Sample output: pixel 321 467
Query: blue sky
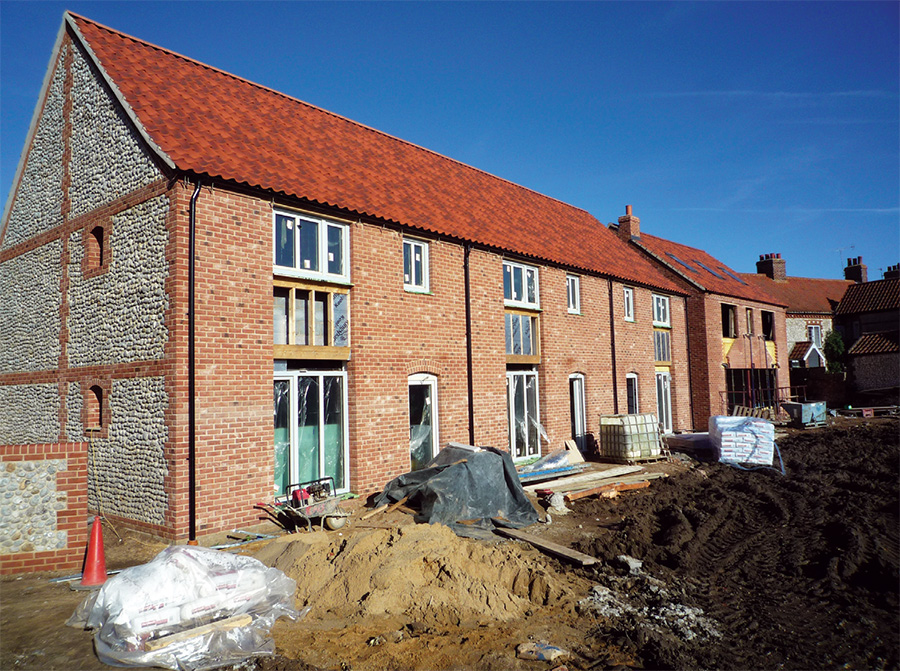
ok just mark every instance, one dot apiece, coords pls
pixel 740 128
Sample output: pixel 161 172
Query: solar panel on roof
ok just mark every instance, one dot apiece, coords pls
pixel 725 270
pixel 684 263
pixel 708 269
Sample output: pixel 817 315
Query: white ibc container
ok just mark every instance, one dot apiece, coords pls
pixel 627 438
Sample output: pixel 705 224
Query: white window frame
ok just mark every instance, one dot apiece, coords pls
pixel 573 294
pixel 637 396
pixel 530 450
pixel 578 407
pixel 409 283
pixel 664 400
pixel 661 311
pixel 323 227
pixel 292 377
pixel 510 268
pixel 628 303
pixel 431 381
pixel 810 328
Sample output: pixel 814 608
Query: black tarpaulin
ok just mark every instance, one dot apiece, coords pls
pixel 448 492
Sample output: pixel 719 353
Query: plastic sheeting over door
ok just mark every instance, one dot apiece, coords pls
pixel 313 444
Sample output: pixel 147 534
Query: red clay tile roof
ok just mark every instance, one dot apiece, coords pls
pixel 212 123
pixel 705 271
pixel 802 294
pixel 874 296
pixel 876 343
pixel 799 350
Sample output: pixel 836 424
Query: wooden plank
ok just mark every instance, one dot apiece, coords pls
pixel 374 512
pixel 222 625
pixel 617 487
pixel 593 476
pixel 549 547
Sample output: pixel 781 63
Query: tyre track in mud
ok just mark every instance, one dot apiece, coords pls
pixel 799 570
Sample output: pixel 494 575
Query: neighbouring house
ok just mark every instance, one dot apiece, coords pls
pixel 868 319
pixel 210 290
pixel 737 342
pixel 810 303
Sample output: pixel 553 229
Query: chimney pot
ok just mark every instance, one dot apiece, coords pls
pixel 762 257
pixel 628 210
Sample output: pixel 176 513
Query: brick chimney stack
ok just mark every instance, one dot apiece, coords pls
pixel 629 226
pixel 772 266
pixel 856 270
pixel 892 273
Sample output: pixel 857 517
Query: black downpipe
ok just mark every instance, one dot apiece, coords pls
pixel 687 337
pixel 612 347
pixel 192 409
pixel 470 382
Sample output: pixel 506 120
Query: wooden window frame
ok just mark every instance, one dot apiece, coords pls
pixel 534 358
pixel 291 350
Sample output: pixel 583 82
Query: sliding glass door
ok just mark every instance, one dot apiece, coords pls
pixel 310 428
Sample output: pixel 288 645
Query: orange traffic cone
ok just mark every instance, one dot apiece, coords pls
pixel 94 572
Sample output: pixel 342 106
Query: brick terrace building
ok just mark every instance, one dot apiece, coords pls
pixel 736 344
pixel 375 299
pixel 810 303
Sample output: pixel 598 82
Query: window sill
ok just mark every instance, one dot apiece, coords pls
pixel 283 271
pixel 523 358
pixel 311 352
pixel 421 292
pixel 626 319
pixel 533 307
pixel 657 325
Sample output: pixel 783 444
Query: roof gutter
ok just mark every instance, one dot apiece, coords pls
pixel 192 408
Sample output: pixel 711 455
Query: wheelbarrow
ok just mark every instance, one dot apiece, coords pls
pixel 306 501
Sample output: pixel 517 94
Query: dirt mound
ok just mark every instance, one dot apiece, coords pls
pixel 422 573
pixel 798 570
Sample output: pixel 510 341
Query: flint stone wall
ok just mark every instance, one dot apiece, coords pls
pixel 29 310
pixel 108 156
pixel 38 204
pixel 119 316
pixel 29 414
pixel 127 470
pixel 29 502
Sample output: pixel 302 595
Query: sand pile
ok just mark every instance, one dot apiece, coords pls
pixel 420 572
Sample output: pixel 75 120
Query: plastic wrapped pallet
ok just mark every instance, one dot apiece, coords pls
pixel 191 608
pixel 627 438
pixel 742 440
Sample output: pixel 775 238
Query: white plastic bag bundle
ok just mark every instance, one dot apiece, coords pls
pixel 181 610
pixel 742 440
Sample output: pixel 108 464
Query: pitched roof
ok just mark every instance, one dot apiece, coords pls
pixel 799 351
pixel 876 343
pixel 704 271
pixel 874 296
pixel 801 294
pixel 208 122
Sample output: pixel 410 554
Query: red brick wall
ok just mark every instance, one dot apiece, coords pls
pixel 395 333
pixel 573 343
pixel 72 519
pixel 709 371
pixel 233 322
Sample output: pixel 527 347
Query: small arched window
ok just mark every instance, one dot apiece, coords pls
pixel 96 249
pixel 93 408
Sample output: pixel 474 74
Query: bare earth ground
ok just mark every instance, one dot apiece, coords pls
pixel 740 570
